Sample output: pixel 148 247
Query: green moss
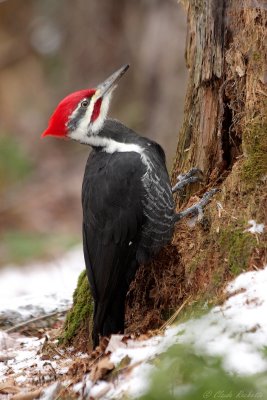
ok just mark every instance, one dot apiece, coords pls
pixel 80 316
pixel 255 148
pixel 218 278
pixel 256 56
pixel 182 373
pixel 236 246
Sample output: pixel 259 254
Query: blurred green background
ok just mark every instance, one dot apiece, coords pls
pixel 48 49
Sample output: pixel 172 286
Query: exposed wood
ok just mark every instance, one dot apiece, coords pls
pixel 222 37
pixel 198 142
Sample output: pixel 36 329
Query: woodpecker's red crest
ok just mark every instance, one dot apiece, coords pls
pixel 83 113
pixel 59 120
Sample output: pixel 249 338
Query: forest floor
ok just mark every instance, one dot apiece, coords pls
pixel 224 348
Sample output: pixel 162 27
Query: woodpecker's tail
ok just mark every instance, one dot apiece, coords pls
pixel 109 313
pixel 109 318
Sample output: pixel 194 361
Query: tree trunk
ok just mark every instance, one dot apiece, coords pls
pixel 224 133
pixel 226 56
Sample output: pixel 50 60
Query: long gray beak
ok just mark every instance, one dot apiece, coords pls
pixel 111 83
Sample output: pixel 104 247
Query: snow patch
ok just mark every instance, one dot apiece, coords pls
pixel 40 288
pixel 236 331
pixel 255 228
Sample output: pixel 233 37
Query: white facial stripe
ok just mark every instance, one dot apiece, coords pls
pixel 80 133
pixel 75 112
pixel 85 126
pixel 99 122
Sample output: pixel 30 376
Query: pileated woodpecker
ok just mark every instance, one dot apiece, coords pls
pixel 128 207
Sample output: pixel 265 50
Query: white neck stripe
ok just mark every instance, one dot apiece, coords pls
pixel 111 146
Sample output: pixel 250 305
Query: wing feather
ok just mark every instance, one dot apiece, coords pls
pixel 112 217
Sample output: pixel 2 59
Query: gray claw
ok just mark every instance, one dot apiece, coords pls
pixel 198 208
pixel 184 179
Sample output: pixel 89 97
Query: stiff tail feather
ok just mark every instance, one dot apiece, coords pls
pixel 109 318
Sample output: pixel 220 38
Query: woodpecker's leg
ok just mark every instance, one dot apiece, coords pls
pixel 194 175
pixel 197 209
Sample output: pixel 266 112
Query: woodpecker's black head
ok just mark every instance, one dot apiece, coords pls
pixel 82 114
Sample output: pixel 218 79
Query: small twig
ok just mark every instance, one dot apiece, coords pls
pixel 52 368
pixel 220 209
pixel 32 320
pixel 261 92
pixel 56 351
pixel 174 316
pixel 96 359
pixel 127 368
pixel 64 388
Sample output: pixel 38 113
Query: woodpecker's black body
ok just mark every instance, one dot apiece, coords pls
pixel 128 208
pixel 128 215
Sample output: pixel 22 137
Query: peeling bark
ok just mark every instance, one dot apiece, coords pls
pixel 220 40
pixel 197 143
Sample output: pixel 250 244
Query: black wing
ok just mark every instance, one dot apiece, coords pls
pixel 112 219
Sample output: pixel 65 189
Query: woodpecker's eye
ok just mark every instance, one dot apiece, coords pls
pixel 84 103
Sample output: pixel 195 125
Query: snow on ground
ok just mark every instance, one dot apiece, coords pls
pixel 39 288
pixel 23 360
pixel 237 331
pixel 32 291
pixel 255 228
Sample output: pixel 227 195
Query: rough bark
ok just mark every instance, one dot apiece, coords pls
pixel 224 133
pixel 226 57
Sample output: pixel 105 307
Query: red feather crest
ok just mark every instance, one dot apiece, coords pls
pixel 57 125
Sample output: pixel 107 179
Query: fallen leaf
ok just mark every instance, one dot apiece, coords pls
pixel 8 388
pixel 45 357
pixel 100 369
pixel 7 341
pixel 125 361
pixel 6 357
pixel 35 394
pixel 104 341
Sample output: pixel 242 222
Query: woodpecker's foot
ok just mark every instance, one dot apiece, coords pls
pixel 197 209
pixel 194 175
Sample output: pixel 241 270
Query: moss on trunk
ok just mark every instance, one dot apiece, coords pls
pixel 255 148
pixel 78 324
